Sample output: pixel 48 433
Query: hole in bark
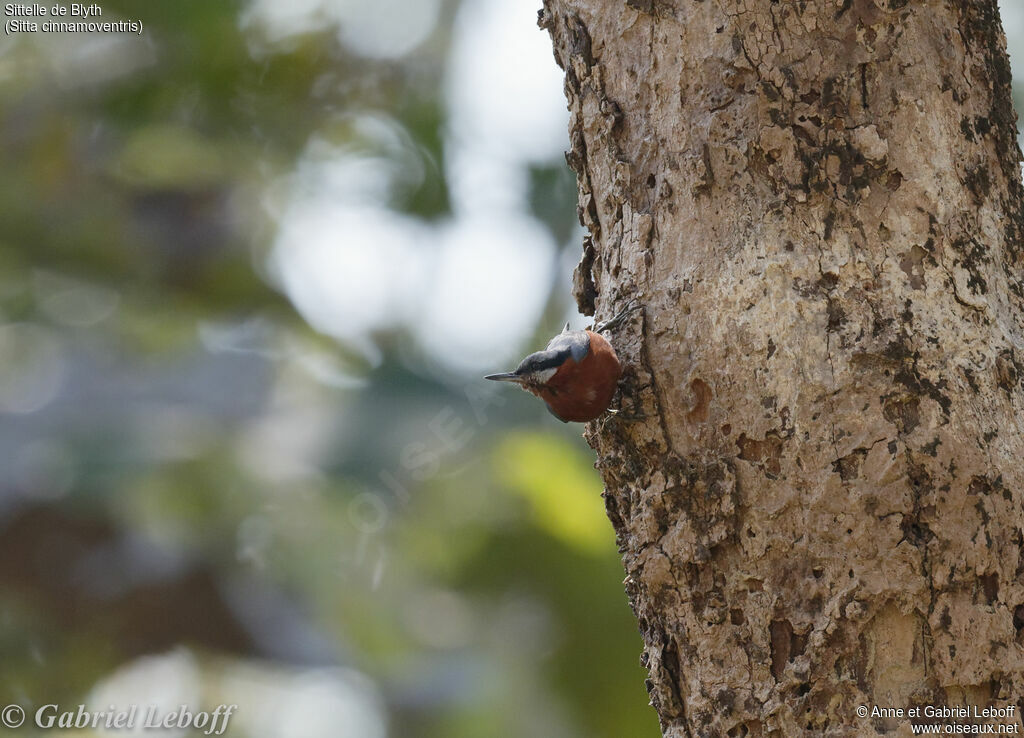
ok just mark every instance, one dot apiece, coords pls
pixel 914 531
pixel 781 632
pixel 702 399
pixel 979 486
pixel 798 645
pixel 802 690
pixel 651 181
pixel 849 466
pixel 767 453
pixel 725 699
pixel 902 411
pixel 786 645
pixel 817 572
pixel 912 265
pixel 726 429
pixel 990 586
pixel 736 617
pixel 1018 618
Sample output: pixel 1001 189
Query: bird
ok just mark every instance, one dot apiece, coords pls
pixel 576 375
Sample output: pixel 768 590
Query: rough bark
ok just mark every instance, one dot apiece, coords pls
pixel 821 205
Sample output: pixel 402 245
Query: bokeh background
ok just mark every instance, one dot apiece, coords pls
pixel 253 264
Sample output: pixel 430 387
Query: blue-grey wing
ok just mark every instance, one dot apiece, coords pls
pixel 575 343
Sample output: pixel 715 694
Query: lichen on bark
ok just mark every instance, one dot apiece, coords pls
pixel 820 204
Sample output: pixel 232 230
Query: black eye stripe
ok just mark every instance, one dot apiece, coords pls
pixel 541 361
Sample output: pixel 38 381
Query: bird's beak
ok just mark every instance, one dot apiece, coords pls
pixel 505 377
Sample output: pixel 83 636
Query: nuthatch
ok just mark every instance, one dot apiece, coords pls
pixel 576 375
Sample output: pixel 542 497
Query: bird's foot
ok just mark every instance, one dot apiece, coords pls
pixel 626 417
pixel 620 317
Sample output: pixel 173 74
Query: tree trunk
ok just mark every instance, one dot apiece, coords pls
pixel 820 204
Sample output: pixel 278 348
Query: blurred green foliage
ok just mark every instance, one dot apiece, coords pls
pixel 553 477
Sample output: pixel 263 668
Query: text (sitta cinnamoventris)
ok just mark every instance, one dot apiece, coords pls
pixel 64 18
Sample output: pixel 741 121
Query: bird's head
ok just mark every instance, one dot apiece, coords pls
pixel 534 371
